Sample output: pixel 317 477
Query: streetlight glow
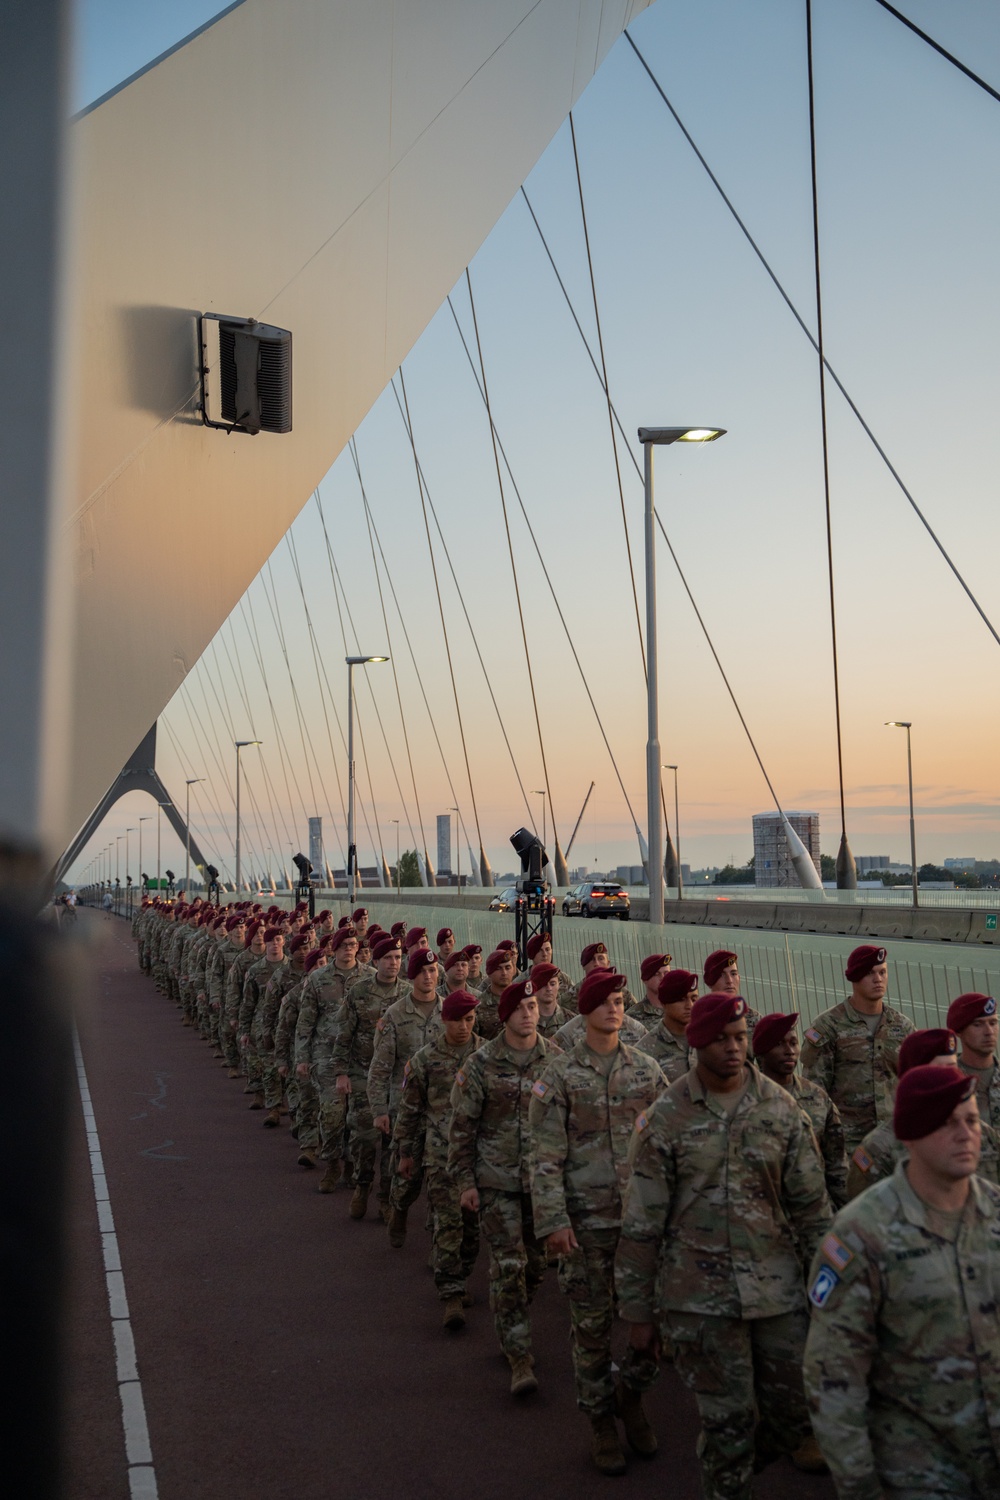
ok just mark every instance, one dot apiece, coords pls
pixel 662 436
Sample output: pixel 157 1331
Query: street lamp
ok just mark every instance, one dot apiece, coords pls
pixel 396 821
pixel 191 781
pixel 677 831
pixel 458 850
pixel 141 821
pixel 907 725
pixel 651 437
pixel 118 857
pixel 128 877
pixel 542 795
pixel 352 853
pixel 240 745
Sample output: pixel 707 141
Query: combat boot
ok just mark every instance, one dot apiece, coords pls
pixel 330 1178
pixel 522 1376
pixel 397 1228
pixel 641 1437
pixel 256 1102
pixel 454 1315
pixel 271 1119
pixel 232 1072
pixel 808 1458
pixel 307 1157
pixel 605 1448
pixel 385 1210
pixel 359 1201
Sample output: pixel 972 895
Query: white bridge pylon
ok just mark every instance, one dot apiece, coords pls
pixel 329 166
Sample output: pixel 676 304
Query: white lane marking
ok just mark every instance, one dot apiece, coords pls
pixel 141 1474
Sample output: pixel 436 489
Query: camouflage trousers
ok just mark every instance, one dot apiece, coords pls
pixel 332 1111
pixel 254 1070
pixel 205 1015
pixel 303 1106
pixel 746 1376
pixel 365 1139
pixel 517 1265
pixel 272 1081
pixel 227 1040
pixel 455 1235
pixel 403 1191
pixel 587 1279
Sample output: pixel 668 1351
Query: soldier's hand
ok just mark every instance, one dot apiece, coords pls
pixel 283 1071
pixel 644 1337
pixel 343 1084
pixel 563 1242
pixel 216 1005
pixel 405 1166
pixel 244 1041
pixel 302 1069
pixel 381 1122
pixel 470 1200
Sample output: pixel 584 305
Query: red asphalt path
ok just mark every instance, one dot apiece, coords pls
pixel 284 1350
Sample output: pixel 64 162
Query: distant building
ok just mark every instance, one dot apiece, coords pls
pixel 868 862
pixel 630 875
pixel 772 859
pixel 960 864
pixel 316 844
pixel 444 843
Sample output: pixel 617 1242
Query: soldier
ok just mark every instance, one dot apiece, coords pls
pixel 216 975
pixel 501 968
pixel 476 981
pixel 303 1104
pixel 489 1159
pixel 540 952
pixel 323 923
pixel 316 1031
pixel 445 944
pixel 632 1031
pixel 667 1043
pixel 902 1365
pixel 973 1018
pixel 253 951
pixel 455 973
pixel 726 1188
pixel 398 930
pixel 722 977
pixel 363 1008
pixel 776 1053
pixel 583 1110
pixel 416 938
pixel 257 979
pixel 545 988
pixel 408 1025
pixel 647 1011
pixel 265 1020
pixel 420 1139
pixel 360 920
pixel 850 1050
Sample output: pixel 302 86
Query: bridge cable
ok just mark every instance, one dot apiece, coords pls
pixel 938 48
pixel 805 329
pixel 277 811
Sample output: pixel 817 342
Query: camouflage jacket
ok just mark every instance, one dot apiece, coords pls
pixel 201 951
pixel 258 977
pixel 671 1052
pixel 853 1066
pixel 718 1205
pixel 424 1114
pixel 363 1008
pixel 284 1026
pixel 218 970
pixel 549 1025
pixel 581 1125
pixel 284 978
pixel 234 983
pixel 490 1141
pixel 403 1030
pixel 902 1364
pixel 488 1023
pixel 633 1033
pixel 879 1152
pixel 646 1013
pixel 987 1098
pixel 824 1118
pixel 323 995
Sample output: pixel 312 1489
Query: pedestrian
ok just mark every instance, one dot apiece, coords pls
pixel 647 1010
pixel 445 944
pixel 667 1042
pixel 776 1052
pixel 364 1006
pixel 501 968
pixel 973 1018
pixel 545 988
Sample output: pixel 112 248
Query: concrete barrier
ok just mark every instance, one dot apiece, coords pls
pixel 978 930
pixel 947 925
pixel 759 914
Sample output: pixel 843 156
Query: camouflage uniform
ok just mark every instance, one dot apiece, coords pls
pixel 303 1103
pixel 216 975
pixel 716 1211
pixel 201 953
pixel 363 1008
pixel 489 1149
pixel 258 977
pixel 421 1132
pixel 285 977
pixel 633 1033
pixel 549 1025
pixel 488 1023
pixel 229 1032
pixel 824 1117
pixel 323 994
pixel 671 1052
pixel 401 1032
pixel 987 1091
pixel 879 1152
pixel 646 1013
pixel 844 1058
pixel 902 1364
pixel 581 1123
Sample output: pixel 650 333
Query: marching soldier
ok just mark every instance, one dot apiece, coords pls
pixel 973 1018
pixel 776 1053
pixel 540 952
pixel 667 1042
pixel 316 1032
pixel 445 944
pixel 303 1104
pixel 258 977
pixel 647 1011
pixel 501 967
pixel 363 1008
pixel 476 981
pixel 545 988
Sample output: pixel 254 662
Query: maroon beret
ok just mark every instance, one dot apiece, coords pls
pixel 595 989
pixel 862 961
pixel 926 1098
pixel 590 953
pixel 326 912
pixel 373 929
pixel 535 944
pixel 444 932
pixel 326 942
pixel 497 957
pixel 512 997
pixel 456 956
pixel 299 941
pixel 710 1015
pixel 651 963
pixel 313 958
pixel 506 945
pixel 398 929
pixel 471 950
pixel 676 985
pixel 968 1008
pixel 541 974
pixel 341 936
pixel 457 1005
pixel 772 1029
pixel 384 947
pixel 271 933
pixel 343 922
pixel 716 962
pixel 419 959
pixel 414 935
pixel 236 921
pixel 922 1047
pixel 361 912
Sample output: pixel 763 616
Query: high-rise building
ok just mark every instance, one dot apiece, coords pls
pixel 866 863
pixel 771 855
pixel 444 843
pixel 316 844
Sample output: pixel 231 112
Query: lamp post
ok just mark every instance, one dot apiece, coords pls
pixel 240 745
pixel 544 827
pixel 159 808
pixel 907 725
pixel 128 876
pixel 141 821
pixel 650 438
pixel 396 821
pixel 191 781
pixel 118 857
pixel 677 831
pixel 352 853
pixel 458 850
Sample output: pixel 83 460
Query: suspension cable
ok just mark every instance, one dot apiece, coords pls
pixel 938 48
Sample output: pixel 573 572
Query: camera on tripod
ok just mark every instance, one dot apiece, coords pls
pixel 534 906
pixel 307 881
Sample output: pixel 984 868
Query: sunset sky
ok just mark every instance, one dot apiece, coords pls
pixel 694 332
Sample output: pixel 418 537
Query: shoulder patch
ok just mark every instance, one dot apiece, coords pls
pixel 380 1024
pixel 641 1122
pixel 540 1088
pixel 836 1252
pixel 406 1070
pixel 826 1280
pixel 813 1035
pixel 461 1078
pixel 862 1160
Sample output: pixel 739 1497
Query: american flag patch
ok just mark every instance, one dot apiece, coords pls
pixel 641 1121
pixel 380 1024
pixel 460 1078
pixel 539 1088
pixel 837 1252
pixel 862 1159
pixel 813 1035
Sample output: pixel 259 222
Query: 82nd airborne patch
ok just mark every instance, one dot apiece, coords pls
pixel 826 1280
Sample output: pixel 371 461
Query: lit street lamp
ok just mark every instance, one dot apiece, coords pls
pixel 240 745
pixel 907 725
pixel 352 853
pixel 192 781
pixel 651 437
